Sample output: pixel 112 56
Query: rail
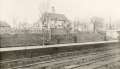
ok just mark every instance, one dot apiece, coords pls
pixel 57 45
pixel 50 54
pixel 84 59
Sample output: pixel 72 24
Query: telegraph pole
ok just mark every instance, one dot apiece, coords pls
pixel 110 24
pixel 44 27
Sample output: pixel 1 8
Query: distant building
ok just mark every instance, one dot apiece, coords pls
pixel 116 26
pixel 53 20
pixel 4 28
pixel 36 28
pixel 83 27
pixel 112 34
pixel 22 28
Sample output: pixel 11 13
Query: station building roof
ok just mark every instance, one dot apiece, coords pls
pixel 4 24
pixel 54 16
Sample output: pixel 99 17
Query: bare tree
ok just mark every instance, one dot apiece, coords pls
pixel 97 23
pixel 98 26
pixel 24 27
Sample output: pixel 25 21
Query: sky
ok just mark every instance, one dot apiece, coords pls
pixel 29 10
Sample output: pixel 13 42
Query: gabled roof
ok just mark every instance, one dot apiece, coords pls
pixel 4 24
pixel 54 16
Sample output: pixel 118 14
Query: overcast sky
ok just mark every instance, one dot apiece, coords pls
pixel 28 10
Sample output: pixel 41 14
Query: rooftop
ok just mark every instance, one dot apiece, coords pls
pixel 54 16
pixel 4 24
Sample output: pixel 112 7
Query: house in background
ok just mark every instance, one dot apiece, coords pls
pixel 55 21
pixel 4 28
pixel 82 26
pixel 36 27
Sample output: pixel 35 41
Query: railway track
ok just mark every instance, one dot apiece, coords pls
pixel 61 57
pixel 82 60
pixel 98 62
pixel 75 52
pixel 111 65
pixel 28 62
